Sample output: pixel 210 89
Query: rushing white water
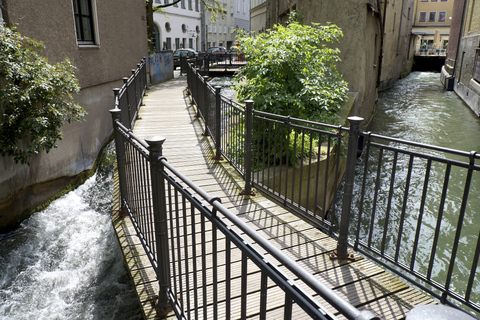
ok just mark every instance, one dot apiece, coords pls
pixel 65 262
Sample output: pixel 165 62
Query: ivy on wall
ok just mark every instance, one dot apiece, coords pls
pixel 36 98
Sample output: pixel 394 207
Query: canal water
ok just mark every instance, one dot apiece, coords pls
pixel 65 262
pixel 419 109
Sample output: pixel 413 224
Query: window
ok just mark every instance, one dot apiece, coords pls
pixel 83 13
pixel 190 43
pixel 169 44
pixel 444 0
pixel 433 0
pixel 168 27
pixel 190 5
pixel 176 5
pixel 196 6
pixel 184 28
pixel 177 43
pixel 476 69
pixel 431 16
pixel 422 17
pixel 183 4
pixel 442 15
pixel 167 1
pixel 424 0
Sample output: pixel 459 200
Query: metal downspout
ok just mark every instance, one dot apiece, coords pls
pixel 382 28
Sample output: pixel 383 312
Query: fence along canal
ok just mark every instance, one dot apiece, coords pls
pixel 310 140
pixel 394 186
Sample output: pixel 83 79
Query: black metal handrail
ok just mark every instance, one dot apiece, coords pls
pixel 242 135
pixel 384 212
pixel 165 207
pixel 129 97
pixel 180 227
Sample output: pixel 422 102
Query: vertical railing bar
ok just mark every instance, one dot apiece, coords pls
pixel 420 214
pixel 466 191
pixel 215 265
pixel 195 269
pixel 287 309
pixel 228 277
pixel 404 208
pixel 317 182
pixel 473 270
pixel 178 286
pixel 186 259
pixel 294 160
pixel 439 220
pixel 362 193
pixel 263 296
pixel 300 180
pixel 287 159
pixel 325 186
pixel 375 197
pixel 204 267
pixel 310 152
pixel 244 290
pixel 389 202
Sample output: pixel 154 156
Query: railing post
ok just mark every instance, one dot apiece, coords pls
pixel 248 148
pixel 206 105
pixel 120 150
pixel 218 101
pixel 342 244
pixel 160 222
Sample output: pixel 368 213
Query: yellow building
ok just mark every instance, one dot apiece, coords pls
pixel 432 26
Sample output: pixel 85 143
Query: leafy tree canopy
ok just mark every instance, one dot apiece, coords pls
pixel 291 71
pixel 36 98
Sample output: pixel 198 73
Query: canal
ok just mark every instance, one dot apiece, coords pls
pixel 65 262
pixel 419 109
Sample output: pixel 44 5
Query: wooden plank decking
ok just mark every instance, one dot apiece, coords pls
pixel 167 113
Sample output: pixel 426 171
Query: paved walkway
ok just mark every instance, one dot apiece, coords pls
pixel 167 112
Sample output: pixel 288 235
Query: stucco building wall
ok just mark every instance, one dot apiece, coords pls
pixel 120 44
pixel 362 24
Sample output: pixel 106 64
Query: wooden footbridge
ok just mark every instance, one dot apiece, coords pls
pixel 168 112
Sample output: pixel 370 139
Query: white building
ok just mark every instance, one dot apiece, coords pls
pixel 179 26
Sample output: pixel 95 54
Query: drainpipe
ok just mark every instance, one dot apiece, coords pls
pixel 460 38
pixel 382 28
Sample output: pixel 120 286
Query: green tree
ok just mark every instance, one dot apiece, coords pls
pixel 213 6
pixel 36 98
pixel 291 71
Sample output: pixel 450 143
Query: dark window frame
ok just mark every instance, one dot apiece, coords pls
pixel 476 67
pixel 84 22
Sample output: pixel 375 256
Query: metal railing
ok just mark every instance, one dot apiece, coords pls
pixel 293 160
pixel 206 61
pixel 412 206
pixel 129 97
pixel 289 159
pixel 193 243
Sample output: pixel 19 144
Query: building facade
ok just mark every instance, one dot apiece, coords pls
pixel 220 32
pixel 431 26
pixel 375 48
pixel 104 45
pixel 258 15
pixel 461 71
pixel 178 26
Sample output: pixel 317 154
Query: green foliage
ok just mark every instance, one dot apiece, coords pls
pixel 36 97
pixel 291 71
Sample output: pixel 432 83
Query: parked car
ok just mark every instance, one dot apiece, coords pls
pixel 190 53
pixel 217 50
pixel 219 53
